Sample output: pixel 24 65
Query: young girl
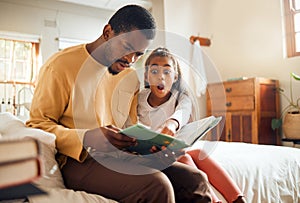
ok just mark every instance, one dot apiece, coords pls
pixel 165 106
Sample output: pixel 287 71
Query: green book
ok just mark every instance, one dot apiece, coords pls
pixel 185 137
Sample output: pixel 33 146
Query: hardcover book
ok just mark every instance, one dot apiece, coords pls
pixel 185 137
pixel 20 166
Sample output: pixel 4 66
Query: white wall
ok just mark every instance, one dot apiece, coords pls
pixel 247 36
pixel 64 20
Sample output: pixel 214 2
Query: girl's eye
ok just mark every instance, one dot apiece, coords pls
pixel 167 72
pixel 154 71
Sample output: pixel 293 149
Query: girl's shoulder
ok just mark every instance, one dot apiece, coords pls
pixel 144 93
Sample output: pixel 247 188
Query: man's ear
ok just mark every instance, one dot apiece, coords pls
pixel 107 32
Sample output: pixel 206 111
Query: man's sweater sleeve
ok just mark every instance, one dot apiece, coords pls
pixel 51 97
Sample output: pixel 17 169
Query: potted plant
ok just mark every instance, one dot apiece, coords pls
pixel 290 115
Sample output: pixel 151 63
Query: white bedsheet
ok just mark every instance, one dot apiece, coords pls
pixel 265 173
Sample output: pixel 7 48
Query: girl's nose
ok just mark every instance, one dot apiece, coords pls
pixel 161 76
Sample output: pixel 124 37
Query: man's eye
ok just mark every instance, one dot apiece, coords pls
pixel 139 54
pixel 128 49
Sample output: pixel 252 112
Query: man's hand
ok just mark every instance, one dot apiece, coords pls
pixel 107 139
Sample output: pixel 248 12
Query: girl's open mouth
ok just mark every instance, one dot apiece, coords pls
pixel 160 87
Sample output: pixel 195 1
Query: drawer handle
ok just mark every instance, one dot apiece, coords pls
pixel 228 89
pixel 228 104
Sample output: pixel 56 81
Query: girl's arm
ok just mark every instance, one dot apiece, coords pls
pixel 180 117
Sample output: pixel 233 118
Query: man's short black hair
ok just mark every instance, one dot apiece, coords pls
pixel 133 17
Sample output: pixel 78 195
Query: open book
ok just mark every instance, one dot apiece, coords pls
pixel 185 137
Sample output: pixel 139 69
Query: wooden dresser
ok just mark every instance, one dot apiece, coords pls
pixel 247 107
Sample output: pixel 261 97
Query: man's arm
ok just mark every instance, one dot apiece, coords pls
pixel 51 111
pixel 50 100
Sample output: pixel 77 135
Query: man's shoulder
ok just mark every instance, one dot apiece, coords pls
pixel 128 76
pixel 71 53
pixel 70 57
pixel 125 81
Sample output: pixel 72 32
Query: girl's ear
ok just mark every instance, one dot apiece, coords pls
pixel 146 77
pixel 176 77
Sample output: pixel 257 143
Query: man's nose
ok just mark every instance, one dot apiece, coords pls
pixel 131 58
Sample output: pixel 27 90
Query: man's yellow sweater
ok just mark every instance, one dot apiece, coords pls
pixel 75 93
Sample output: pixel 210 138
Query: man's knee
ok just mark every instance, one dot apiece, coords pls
pixel 191 184
pixel 154 187
pixel 162 187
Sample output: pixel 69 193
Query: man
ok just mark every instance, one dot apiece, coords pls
pixel 85 104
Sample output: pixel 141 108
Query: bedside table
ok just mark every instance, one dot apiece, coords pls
pixel 247 107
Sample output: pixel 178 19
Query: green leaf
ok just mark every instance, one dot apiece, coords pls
pixel 296 77
pixel 276 123
pixel 280 89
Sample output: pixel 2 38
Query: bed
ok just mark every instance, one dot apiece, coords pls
pixel 265 173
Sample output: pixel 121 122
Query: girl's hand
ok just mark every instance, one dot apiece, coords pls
pixel 170 127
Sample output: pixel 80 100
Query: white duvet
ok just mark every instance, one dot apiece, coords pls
pixel 265 173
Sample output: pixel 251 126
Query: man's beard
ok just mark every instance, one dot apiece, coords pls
pixel 120 61
pixel 110 70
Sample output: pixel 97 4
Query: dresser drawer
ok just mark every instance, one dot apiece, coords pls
pixel 232 88
pixel 231 104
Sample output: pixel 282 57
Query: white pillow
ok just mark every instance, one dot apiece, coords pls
pixel 13 128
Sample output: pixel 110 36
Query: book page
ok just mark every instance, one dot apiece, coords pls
pixel 188 134
pixel 194 131
pixel 18 149
pixel 147 138
pixel 19 172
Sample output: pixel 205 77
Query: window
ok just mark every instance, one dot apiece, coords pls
pixel 17 61
pixel 67 42
pixel 18 72
pixel 292 25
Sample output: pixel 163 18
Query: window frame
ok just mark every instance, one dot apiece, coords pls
pixel 289 14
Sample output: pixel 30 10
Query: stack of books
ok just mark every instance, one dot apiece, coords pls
pixel 20 166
